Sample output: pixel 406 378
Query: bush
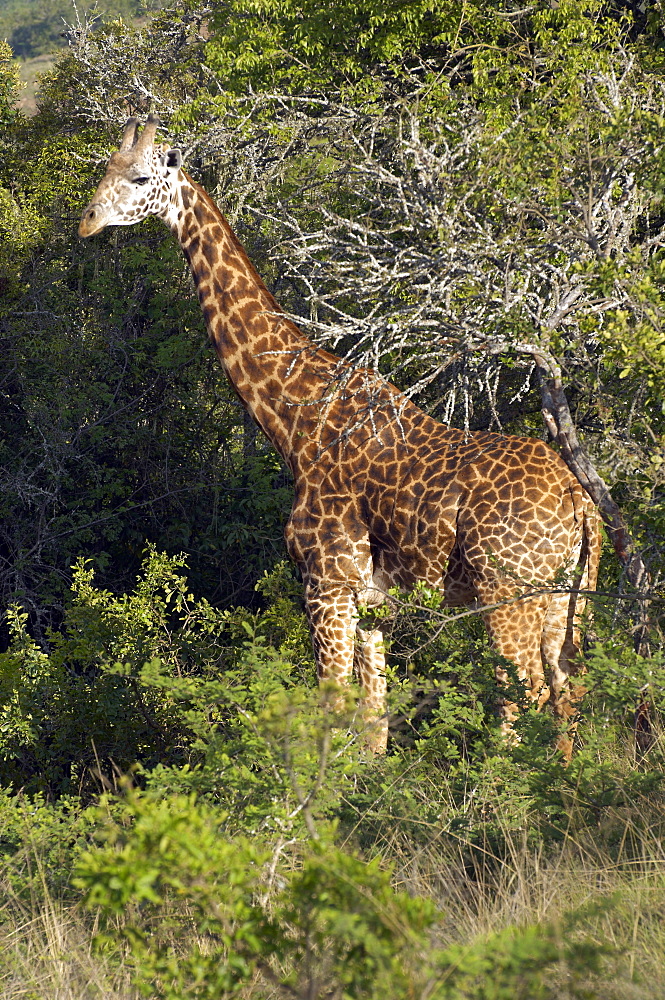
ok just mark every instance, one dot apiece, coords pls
pixel 200 918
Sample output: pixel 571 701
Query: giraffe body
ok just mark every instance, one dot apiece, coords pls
pixel 385 496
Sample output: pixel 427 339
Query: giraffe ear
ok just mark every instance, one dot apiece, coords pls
pixel 173 159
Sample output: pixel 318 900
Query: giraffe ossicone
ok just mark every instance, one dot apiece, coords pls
pixel 385 496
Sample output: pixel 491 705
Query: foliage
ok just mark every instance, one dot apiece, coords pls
pixel 260 877
pixel 117 427
pixel 133 679
pixel 300 45
pixel 9 84
pixel 336 927
pixel 621 680
pixel 441 190
pixel 338 924
pixel 39 843
pixel 175 847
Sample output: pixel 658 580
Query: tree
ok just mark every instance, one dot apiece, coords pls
pixel 117 427
pixel 506 204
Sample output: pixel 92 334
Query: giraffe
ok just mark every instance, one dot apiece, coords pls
pixel 385 496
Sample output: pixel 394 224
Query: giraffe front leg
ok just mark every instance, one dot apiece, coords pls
pixel 370 663
pixel 338 643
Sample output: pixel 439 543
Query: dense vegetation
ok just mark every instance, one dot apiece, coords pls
pixel 471 199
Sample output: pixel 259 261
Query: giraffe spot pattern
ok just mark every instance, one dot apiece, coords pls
pixel 380 502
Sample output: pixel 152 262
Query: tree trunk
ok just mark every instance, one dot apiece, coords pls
pixel 556 414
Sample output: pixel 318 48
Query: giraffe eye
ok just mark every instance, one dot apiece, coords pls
pixel 141 180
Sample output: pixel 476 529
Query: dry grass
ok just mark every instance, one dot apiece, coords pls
pixel 620 901
pixel 48 955
pixel 617 896
pixel 609 875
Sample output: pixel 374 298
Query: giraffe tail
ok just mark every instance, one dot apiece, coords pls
pixel 592 544
pixel 591 548
pixel 569 689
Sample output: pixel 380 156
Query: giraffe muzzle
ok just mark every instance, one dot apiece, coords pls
pixel 93 220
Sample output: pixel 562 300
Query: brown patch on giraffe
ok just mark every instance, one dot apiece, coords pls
pixel 209 313
pixel 192 250
pixel 211 252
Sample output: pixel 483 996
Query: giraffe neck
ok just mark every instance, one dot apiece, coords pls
pixel 275 370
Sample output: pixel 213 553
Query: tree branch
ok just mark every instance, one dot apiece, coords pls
pixel 559 421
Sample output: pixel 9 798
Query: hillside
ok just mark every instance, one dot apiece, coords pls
pixel 36 30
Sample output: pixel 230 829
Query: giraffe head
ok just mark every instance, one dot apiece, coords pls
pixel 139 181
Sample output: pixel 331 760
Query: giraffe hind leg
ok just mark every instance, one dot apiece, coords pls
pixel 561 640
pixel 560 647
pixel 515 629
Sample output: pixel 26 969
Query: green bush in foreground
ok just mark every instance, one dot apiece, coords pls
pixel 335 928
pixel 263 854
